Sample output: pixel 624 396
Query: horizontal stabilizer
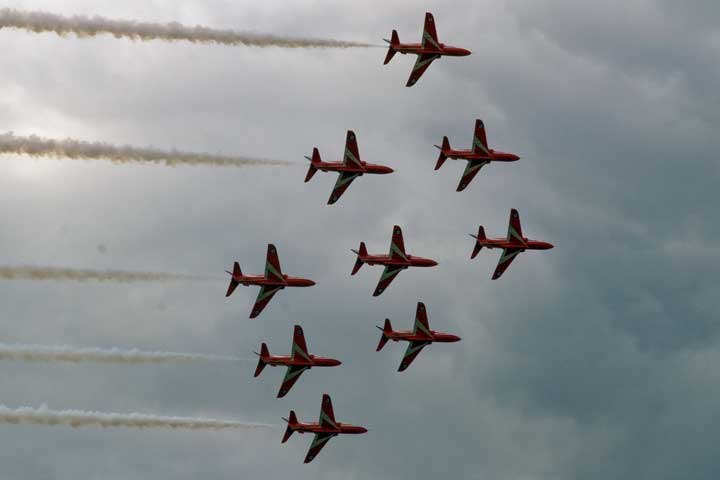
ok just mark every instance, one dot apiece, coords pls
pixel 359 262
pixel 394 42
pixel 387 328
pixel 233 281
pixel 264 354
pixel 479 239
pixel 291 421
pixel 444 149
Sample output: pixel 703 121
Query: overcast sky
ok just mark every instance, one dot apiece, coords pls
pixel 595 360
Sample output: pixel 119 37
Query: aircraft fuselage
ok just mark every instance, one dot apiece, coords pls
pixel 369 168
pixel 412 261
pixel 408 336
pixel 527 245
pixel 342 428
pixel 418 49
pixel 288 361
pixel 288 281
pixel 496 156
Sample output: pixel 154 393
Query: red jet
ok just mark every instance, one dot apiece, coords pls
pixel 427 50
pixel 270 283
pixel 298 361
pixel 479 156
pixel 512 245
pixel 349 169
pixel 324 430
pixel 394 262
pixel 420 336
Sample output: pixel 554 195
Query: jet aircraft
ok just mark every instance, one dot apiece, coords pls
pixel 477 157
pixel 394 262
pixel 512 245
pixel 297 362
pixel 270 283
pixel 419 337
pixel 427 50
pixel 324 430
pixel 349 169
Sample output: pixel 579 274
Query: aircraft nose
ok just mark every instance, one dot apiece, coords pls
pixel 387 170
pixel 465 52
pixel 362 430
pixel 515 157
pixel 432 263
pixel 335 363
pixel 309 283
pixel 548 246
pixel 455 338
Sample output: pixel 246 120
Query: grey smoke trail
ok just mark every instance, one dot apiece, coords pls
pixel 66 353
pixel 25 272
pixel 80 150
pixel 80 418
pixel 83 26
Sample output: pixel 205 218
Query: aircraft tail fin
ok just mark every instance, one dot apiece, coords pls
pixel 360 254
pixel 394 42
pixel 479 239
pixel 291 421
pixel 314 162
pixel 444 149
pixel 387 328
pixel 263 355
pixel 233 282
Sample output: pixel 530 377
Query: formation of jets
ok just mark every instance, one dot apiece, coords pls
pixel 352 166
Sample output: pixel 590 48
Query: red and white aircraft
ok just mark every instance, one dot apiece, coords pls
pixel 324 430
pixel 512 245
pixel 349 169
pixel 427 50
pixel 297 362
pixel 419 337
pixel 270 283
pixel 394 262
pixel 477 157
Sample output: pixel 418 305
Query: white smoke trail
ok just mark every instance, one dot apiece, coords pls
pixel 80 150
pixel 83 26
pixel 80 418
pixel 25 272
pixel 67 353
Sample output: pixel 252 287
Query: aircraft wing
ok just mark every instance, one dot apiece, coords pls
pixel 421 64
pixel 422 327
pixel 299 350
pixel 387 276
pixel 506 259
pixel 317 444
pixel 352 154
pixel 272 264
pixel 471 169
pixel 429 36
pixel 412 351
pixel 397 245
pixel 264 296
pixel 479 143
pixel 515 234
pixel 291 376
pixel 327 416
pixel 343 182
